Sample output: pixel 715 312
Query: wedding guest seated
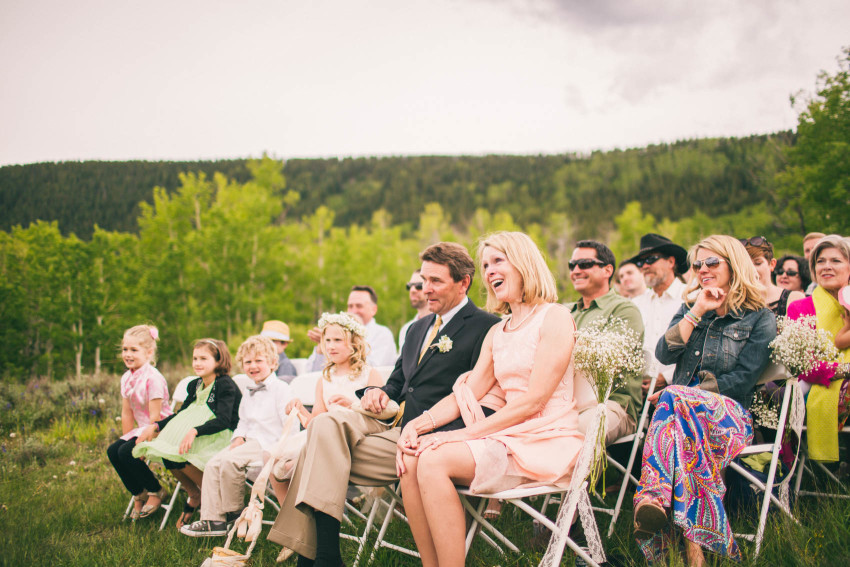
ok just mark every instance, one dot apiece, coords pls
pixel 718 341
pixel 761 253
pixel 278 332
pixel 828 401
pixel 532 439
pixel 591 270
pixel 261 418
pixel 792 273
pixel 628 281
pixel 363 304
pixel 417 300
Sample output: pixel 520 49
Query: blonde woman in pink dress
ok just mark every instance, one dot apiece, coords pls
pixel 532 439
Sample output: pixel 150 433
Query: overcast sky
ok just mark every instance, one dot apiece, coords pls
pixel 183 79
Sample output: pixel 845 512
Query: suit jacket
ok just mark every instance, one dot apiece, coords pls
pixel 421 385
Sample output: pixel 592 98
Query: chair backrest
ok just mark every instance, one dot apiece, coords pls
pixel 300 365
pixel 181 390
pixel 385 372
pixel 243 382
pixel 304 387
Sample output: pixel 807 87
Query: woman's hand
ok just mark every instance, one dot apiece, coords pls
pixel 709 299
pixel 408 443
pixel 186 444
pixel 434 440
pixel 294 403
pixel 339 400
pixel 146 434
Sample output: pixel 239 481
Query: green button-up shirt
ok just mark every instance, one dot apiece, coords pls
pixel 608 306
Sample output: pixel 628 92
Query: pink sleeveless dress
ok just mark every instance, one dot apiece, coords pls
pixel 542 449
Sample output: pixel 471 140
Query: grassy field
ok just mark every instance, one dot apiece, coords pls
pixel 61 503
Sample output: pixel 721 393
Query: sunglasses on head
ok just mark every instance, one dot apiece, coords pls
pixel 710 262
pixel 789 273
pixel 754 241
pixel 417 285
pixel 648 261
pixel 584 264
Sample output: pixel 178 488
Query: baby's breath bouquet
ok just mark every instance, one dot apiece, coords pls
pixel 805 350
pixel 608 352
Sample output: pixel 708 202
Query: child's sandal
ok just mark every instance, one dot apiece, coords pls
pixel 149 509
pixel 141 497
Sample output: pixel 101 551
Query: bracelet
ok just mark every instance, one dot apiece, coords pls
pixel 691 318
pixel 433 421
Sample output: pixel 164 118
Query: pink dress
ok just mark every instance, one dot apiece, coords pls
pixel 140 387
pixel 540 450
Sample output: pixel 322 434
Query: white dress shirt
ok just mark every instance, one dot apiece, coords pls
pixel 263 413
pixel 445 319
pixel 657 311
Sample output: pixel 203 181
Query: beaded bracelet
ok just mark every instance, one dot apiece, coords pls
pixel 692 319
pixel 433 421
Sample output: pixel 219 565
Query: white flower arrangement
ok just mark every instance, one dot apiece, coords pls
pixel 800 346
pixel 608 351
pixel 765 412
pixel 443 345
pixel 344 320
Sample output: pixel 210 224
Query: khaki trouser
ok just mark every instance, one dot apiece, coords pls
pixel 223 487
pixel 342 447
pixel 619 423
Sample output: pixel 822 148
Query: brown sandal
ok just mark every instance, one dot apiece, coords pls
pixel 187 514
pixel 650 517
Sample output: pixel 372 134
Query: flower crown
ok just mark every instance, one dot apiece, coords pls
pixel 344 320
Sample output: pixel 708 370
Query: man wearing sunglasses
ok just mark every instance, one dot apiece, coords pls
pixel 661 262
pixel 591 271
pixel 417 300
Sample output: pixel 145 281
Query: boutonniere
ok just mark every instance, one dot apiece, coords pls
pixel 444 345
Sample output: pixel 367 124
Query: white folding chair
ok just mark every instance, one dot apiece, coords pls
pixel 300 365
pixel 805 466
pixel 181 390
pixel 791 413
pixel 390 500
pixel 636 439
pixel 167 506
pixel 574 499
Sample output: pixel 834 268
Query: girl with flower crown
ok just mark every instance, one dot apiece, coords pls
pixel 344 345
pixel 144 394
pixel 183 442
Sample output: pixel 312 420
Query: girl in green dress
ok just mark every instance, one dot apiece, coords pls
pixel 183 442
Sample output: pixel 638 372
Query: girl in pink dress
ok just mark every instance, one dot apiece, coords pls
pixel 533 439
pixel 145 399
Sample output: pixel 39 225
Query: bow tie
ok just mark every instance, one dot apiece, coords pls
pixel 260 386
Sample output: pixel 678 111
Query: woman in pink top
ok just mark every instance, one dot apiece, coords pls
pixel 145 400
pixel 533 439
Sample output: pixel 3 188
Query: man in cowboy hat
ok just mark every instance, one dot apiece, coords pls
pixel 278 332
pixel 662 263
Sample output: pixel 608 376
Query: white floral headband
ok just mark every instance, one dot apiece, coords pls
pixel 344 320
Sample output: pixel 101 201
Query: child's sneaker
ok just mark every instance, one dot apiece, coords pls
pixel 205 528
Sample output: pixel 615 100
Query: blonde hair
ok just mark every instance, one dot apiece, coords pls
pixel 538 283
pixel 261 346
pixel 147 335
pixel 357 359
pixel 745 290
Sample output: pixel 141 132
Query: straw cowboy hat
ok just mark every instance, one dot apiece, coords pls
pixel 276 330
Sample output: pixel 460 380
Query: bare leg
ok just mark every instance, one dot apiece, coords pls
pixel 190 477
pixel 696 558
pixel 416 513
pixel 437 473
pixel 280 487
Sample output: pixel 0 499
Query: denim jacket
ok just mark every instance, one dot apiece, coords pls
pixel 733 348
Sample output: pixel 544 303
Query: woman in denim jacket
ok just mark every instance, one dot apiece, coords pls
pixel 719 343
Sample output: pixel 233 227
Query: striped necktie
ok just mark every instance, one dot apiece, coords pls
pixel 437 322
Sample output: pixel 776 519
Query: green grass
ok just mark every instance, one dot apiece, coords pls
pixel 61 504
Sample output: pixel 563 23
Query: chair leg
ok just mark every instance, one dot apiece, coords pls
pixel 168 508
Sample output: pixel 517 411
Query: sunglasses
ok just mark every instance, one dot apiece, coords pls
pixel 584 264
pixel 754 241
pixel 648 261
pixel 710 262
pixel 789 273
pixel 417 285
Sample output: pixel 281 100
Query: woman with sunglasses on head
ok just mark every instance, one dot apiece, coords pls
pixel 761 253
pixel 792 273
pixel 718 341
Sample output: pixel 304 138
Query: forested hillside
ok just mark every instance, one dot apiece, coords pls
pixel 720 176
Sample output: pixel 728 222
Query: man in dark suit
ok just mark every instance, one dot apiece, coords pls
pixel 345 447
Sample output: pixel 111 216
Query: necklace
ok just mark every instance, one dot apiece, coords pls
pixel 518 325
